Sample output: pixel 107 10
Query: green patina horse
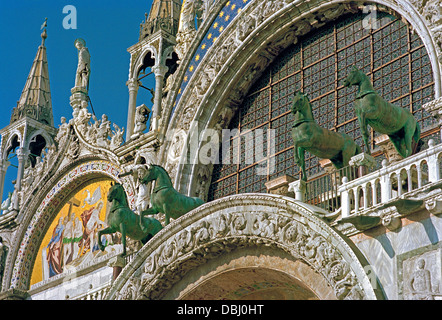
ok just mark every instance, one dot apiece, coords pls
pixel 308 135
pixel 164 198
pixel 371 109
pixel 125 221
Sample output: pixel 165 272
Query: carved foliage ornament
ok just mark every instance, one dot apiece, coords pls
pixel 224 231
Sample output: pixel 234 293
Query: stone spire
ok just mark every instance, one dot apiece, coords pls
pixel 164 15
pixel 35 100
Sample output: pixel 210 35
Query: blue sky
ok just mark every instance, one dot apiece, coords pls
pixel 109 28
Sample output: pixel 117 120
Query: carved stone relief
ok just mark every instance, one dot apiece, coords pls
pixel 422 276
pixel 215 229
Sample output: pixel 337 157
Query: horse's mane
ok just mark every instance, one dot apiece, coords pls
pixel 310 107
pixel 122 191
pixel 164 171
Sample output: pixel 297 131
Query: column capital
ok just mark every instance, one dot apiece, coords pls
pixel 133 84
pixel 299 187
pixel 435 109
pixel 160 70
pixel 4 164
pixel 22 153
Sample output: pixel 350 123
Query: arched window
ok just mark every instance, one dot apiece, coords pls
pixel 392 56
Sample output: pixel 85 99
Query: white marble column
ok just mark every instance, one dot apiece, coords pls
pixel 160 72
pixel 435 109
pixel 4 164
pixel 22 155
pixel 133 85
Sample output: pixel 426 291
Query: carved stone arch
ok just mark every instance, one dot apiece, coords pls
pixel 199 246
pixel 14 141
pixel 45 205
pixel 138 63
pixel 252 56
pixel 44 134
pixel 34 146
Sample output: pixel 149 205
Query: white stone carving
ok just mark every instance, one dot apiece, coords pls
pixel 193 243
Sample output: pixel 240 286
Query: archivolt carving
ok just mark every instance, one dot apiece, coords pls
pixel 214 229
pixel 43 207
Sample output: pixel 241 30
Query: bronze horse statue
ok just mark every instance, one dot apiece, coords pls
pixel 125 221
pixel 371 109
pixel 308 135
pixel 164 198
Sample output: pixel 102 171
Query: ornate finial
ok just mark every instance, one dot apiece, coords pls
pixel 44 34
pixel 45 24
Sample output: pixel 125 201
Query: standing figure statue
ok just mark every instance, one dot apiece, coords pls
pixel 141 117
pixel 84 64
pixel 187 17
pixel 396 122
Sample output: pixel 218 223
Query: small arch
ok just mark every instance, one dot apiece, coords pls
pixel 36 145
pixel 377 192
pixel 12 145
pixel 394 185
pixel 368 195
pixel 424 173
pixel 351 199
pixel 414 175
pixel 146 60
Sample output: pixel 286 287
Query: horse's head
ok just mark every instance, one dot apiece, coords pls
pixel 115 192
pixel 300 102
pixel 147 174
pixel 353 78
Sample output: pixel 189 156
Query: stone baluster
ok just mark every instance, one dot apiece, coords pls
pixel 419 175
pixel 433 164
pixel 345 199
pixel 385 184
pixel 365 196
pixel 409 179
pixel 399 183
pixel 374 190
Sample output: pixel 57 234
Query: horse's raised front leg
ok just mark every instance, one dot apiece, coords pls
pixel 123 237
pixel 364 130
pixel 301 162
pixel 148 212
pixel 144 213
pixel 108 230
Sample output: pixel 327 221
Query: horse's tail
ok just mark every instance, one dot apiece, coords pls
pixel 358 149
pixel 417 132
pixel 198 201
pixel 417 143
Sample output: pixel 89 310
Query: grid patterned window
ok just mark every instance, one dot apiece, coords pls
pixel 392 56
